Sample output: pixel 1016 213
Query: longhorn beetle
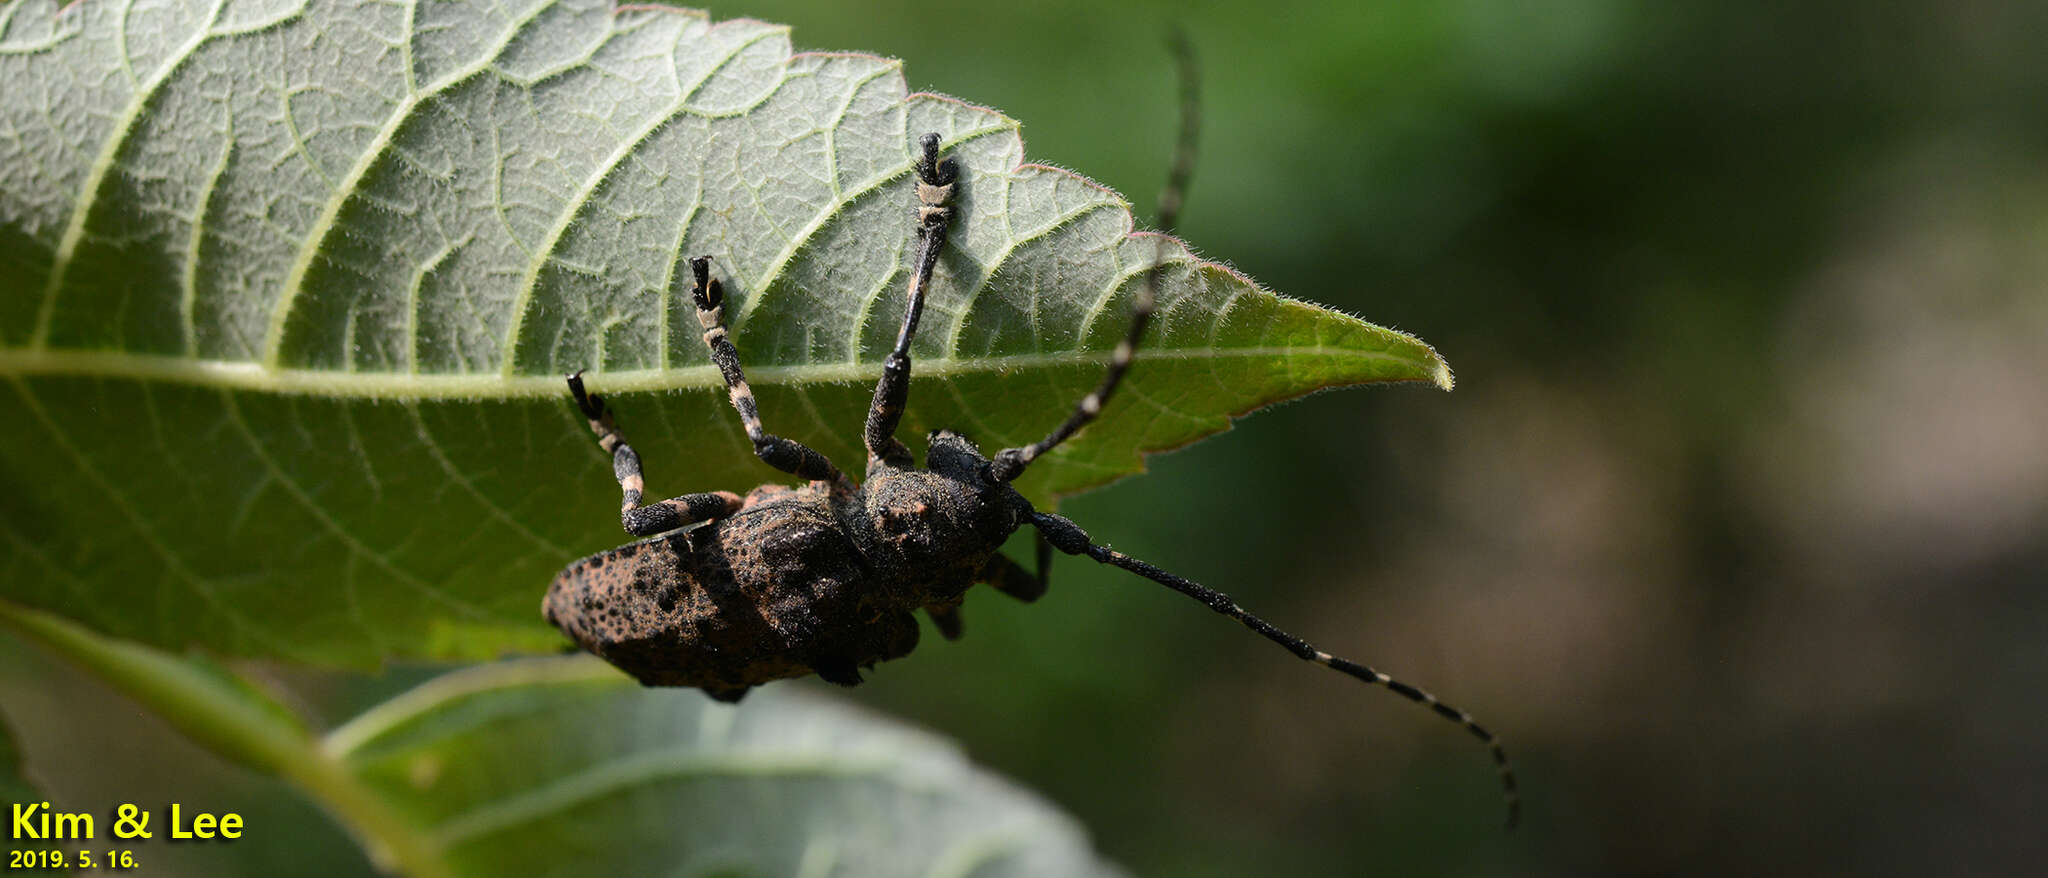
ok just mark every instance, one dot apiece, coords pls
pixel 823 578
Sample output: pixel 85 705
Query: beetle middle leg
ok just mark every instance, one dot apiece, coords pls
pixel 642 521
pixel 1006 576
pixel 786 455
pixel 1010 577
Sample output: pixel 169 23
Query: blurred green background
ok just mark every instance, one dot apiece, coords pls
pixel 1732 529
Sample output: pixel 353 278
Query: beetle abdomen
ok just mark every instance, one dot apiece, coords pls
pixel 671 611
pixel 647 609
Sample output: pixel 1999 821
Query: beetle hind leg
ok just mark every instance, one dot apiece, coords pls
pixel 841 672
pixel 728 696
pixel 947 619
pixel 675 512
pixel 654 518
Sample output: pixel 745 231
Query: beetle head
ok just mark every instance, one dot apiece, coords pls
pixel 954 457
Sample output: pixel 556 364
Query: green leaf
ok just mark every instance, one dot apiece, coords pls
pixel 287 288
pixel 223 713
pixel 562 766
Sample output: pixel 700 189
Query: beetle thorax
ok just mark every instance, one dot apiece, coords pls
pixel 933 530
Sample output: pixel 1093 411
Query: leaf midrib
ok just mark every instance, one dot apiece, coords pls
pixel 253 376
pixel 682 763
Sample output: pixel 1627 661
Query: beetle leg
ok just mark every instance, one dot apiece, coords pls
pixel 675 512
pixel 642 521
pixel 935 181
pixel 947 618
pixel 786 455
pixel 1010 577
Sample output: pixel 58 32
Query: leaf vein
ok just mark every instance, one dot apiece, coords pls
pixel 610 777
pixel 330 211
pixel 201 586
pixel 188 279
pixel 818 221
pixel 995 265
pixel 523 299
pixel 327 522
pixel 103 164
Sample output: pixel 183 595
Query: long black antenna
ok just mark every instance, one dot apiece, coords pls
pixel 1010 463
pixel 1071 539
pixel 1190 73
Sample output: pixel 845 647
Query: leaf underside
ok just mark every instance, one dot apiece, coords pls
pixel 562 767
pixel 287 289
